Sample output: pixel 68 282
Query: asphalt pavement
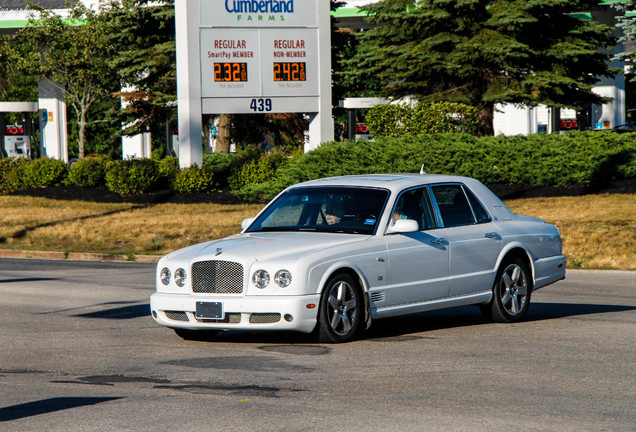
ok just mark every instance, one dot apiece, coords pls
pixel 79 352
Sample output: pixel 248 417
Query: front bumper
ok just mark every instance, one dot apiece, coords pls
pixel 240 313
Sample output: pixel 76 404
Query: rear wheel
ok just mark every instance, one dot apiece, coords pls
pixel 341 309
pixel 511 292
pixel 196 335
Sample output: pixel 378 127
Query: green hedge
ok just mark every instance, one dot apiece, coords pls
pixel 578 158
pixel 225 165
pixel 581 158
pixel 258 170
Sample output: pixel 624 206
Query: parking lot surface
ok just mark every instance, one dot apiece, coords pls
pixel 79 352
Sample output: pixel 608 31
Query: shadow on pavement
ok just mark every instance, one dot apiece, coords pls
pixel 124 312
pixel 405 327
pixel 45 406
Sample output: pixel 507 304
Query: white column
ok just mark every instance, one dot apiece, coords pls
pixel 188 82
pixel 53 134
pixel 321 123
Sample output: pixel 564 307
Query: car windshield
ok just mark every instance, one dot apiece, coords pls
pixel 325 209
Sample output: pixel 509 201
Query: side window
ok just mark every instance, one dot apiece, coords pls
pixel 453 205
pixel 415 204
pixel 480 213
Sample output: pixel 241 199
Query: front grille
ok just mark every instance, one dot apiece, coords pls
pixel 217 277
pixel 230 318
pixel 176 315
pixel 264 318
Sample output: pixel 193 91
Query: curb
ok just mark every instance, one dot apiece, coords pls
pixel 77 256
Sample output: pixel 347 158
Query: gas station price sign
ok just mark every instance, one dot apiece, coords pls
pixel 253 70
pixel 252 56
pixel 236 72
pixel 290 71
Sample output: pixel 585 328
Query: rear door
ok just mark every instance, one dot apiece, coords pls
pixel 474 241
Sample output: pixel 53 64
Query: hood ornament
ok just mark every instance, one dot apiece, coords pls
pixel 219 251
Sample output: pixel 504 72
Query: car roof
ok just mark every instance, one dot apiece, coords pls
pixel 398 182
pixel 389 181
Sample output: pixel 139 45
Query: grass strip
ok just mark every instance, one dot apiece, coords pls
pixel 599 231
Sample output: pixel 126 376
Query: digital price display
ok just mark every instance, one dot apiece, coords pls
pixel 569 124
pixel 14 130
pixel 230 72
pixel 290 71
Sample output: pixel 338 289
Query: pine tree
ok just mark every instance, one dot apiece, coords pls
pixel 146 60
pixel 483 52
pixel 627 23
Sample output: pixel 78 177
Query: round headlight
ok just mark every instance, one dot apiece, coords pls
pixel 180 277
pixel 283 278
pixel 260 278
pixel 165 275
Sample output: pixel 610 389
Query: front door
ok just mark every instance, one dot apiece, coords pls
pixel 418 262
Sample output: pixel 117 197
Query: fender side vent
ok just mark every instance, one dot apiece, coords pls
pixel 378 296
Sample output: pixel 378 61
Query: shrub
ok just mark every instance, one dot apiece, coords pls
pixel 168 170
pixel 257 171
pixel 225 165
pixel 194 180
pixel 12 177
pixel 132 177
pixel 44 172
pixel 393 120
pixel 90 171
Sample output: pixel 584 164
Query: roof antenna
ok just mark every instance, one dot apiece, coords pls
pixel 422 172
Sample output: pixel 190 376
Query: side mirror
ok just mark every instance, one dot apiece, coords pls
pixel 403 226
pixel 246 222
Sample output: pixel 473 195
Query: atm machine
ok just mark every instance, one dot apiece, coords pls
pixel 16 142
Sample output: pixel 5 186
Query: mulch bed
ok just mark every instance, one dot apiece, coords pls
pixel 102 194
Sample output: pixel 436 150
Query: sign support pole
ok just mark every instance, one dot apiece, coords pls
pixel 188 83
pixel 321 123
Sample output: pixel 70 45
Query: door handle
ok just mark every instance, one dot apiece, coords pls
pixel 493 235
pixel 438 241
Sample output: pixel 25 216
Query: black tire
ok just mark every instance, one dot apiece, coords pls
pixel 341 309
pixel 196 335
pixel 511 293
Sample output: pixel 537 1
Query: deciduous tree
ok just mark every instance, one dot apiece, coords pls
pixel 73 52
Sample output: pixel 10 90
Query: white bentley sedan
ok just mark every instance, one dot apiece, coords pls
pixel 332 255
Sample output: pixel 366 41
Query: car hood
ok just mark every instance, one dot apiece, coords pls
pixel 273 246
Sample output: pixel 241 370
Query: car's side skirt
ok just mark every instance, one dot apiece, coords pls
pixel 471 299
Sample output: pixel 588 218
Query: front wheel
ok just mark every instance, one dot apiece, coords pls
pixel 341 309
pixel 511 293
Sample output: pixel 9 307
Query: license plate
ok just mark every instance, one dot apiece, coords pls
pixel 209 310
